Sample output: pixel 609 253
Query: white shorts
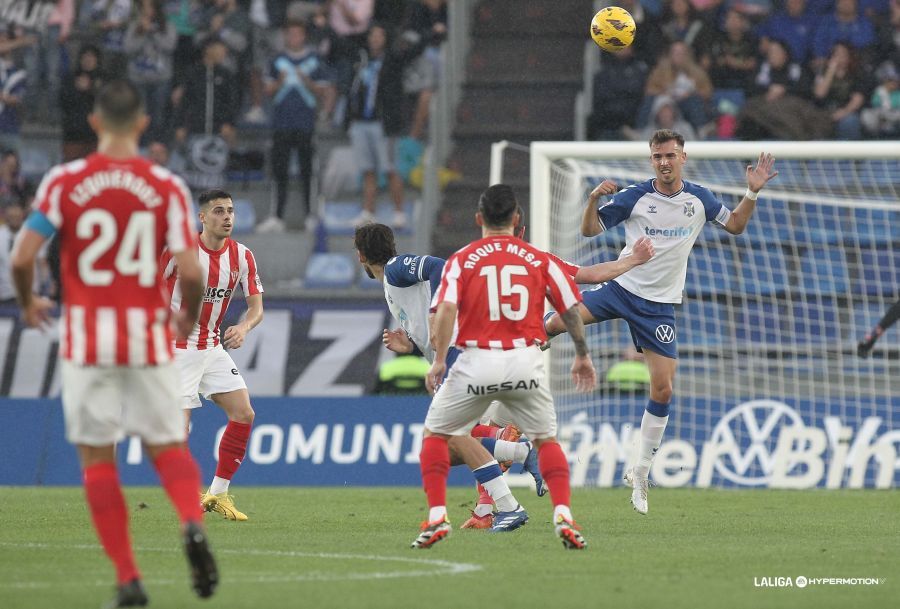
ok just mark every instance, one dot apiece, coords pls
pixel 497 414
pixel 206 372
pixel 103 404
pixel 515 377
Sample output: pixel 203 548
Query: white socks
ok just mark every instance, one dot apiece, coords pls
pixel 483 509
pixel 219 486
pixel 499 490
pixel 652 430
pixel 437 513
pixel 510 451
pixel 564 511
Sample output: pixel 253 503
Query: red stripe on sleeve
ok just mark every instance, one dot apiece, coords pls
pixel 252 284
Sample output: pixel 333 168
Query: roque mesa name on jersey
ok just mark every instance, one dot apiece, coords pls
pixel 504 386
pixel 511 248
pixel 94 185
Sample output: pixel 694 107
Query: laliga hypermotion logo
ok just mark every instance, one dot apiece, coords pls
pixel 751 428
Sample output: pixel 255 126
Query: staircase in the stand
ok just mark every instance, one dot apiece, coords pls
pixel 523 72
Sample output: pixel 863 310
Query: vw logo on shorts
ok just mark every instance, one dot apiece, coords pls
pixel 665 333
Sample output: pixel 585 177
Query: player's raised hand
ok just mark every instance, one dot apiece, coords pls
pixel 759 176
pixel 606 187
pixel 643 250
pixel 435 376
pixel 397 341
pixel 583 373
pixel 234 336
pixel 37 313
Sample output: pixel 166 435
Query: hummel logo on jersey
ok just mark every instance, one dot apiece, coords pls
pixel 504 386
pixel 665 333
pixel 679 231
pixel 689 209
pixel 652 209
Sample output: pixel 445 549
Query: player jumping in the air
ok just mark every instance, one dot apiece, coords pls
pixel 672 213
pixel 496 288
pixel 868 342
pixel 205 367
pixel 113 214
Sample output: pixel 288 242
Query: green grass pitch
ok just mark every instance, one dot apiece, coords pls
pixel 349 547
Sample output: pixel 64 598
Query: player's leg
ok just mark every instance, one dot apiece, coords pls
pixel 510 446
pixel 553 323
pixel 91 408
pixel 224 385
pixel 152 412
pixel 600 303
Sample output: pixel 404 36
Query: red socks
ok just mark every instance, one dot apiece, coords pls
pixel 484 431
pixel 435 463
pixel 555 470
pixel 232 448
pixel 483 496
pixel 180 476
pixel 110 516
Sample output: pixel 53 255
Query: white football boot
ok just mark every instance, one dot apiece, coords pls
pixel 639 487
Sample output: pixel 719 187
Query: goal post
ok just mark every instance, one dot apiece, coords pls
pixel 769 389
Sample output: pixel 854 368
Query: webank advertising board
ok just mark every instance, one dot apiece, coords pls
pixel 375 441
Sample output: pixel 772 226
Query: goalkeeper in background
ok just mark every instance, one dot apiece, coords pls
pixel 868 342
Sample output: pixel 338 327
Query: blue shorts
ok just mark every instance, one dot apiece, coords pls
pixel 652 324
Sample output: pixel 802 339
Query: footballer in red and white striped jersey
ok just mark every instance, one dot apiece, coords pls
pixel 224 269
pixel 498 284
pixel 114 217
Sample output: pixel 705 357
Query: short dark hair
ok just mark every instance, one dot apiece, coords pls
pixel 208 196
pixel 666 135
pixel 119 103
pixel 497 205
pixel 375 242
pixel 296 23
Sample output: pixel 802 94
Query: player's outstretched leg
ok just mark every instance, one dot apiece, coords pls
pixel 110 517
pixel 180 477
pixel 555 469
pixel 653 426
pixel 521 451
pixel 434 461
pixel 232 448
pixel 510 515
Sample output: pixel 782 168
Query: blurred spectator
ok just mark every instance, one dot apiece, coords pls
pixel 881 118
pixel 108 20
pixel 375 110
pixel 208 100
pixel 844 25
pixel 650 43
pixel 159 153
pixel 680 23
pixel 226 21
pixel 427 26
pixel 150 42
pixel 618 83
pixel 679 77
pixel 888 35
pixel 42 61
pixel 349 22
pixel 262 47
pixel 298 80
pixel 183 14
pixel 780 109
pixel 13 218
pixel 13 187
pixel 630 374
pixel 793 26
pixel 12 91
pixel 664 115
pixel 76 102
pixel 841 90
pixel 732 54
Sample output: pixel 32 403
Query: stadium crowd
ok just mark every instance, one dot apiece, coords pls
pixel 754 69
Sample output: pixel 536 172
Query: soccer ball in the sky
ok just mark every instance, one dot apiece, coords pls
pixel 612 28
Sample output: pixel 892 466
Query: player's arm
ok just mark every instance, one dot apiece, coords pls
pixel 868 342
pixel 606 271
pixel 234 336
pixel 441 333
pixel 35 309
pixel 583 373
pixel 590 220
pixel 190 275
pixel 757 178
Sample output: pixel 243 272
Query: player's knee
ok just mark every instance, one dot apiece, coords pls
pixel 661 391
pixel 246 415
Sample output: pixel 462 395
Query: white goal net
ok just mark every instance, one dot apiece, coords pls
pixel 769 389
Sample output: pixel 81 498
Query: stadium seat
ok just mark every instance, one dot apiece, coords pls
pixel 824 270
pixel 244 217
pixel 815 320
pixel 762 322
pixel 710 271
pixel 35 162
pixel 763 271
pixel 770 220
pixel 702 323
pixel 822 223
pixel 874 226
pixel 880 272
pixel 338 216
pixel 330 271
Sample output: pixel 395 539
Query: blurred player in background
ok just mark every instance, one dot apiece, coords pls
pixel 114 212
pixel 205 367
pixel 672 213
pixel 496 288
pixel 868 342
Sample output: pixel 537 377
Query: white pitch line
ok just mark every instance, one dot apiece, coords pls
pixel 443 567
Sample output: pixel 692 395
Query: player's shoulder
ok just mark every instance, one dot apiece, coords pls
pixel 399 269
pixel 701 192
pixel 632 193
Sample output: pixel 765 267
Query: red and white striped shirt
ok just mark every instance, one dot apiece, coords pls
pixel 499 284
pixel 224 269
pixel 113 219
